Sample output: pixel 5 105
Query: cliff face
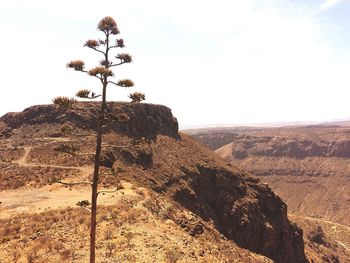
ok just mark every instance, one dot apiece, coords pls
pixel 245 211
pixel 145 120
pixel 275 146
pixel 306 166
pixel 215 140
pixel 172 164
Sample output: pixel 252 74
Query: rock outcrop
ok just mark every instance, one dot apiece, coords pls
pixel 144 120
pixel 275 146
pixel 245 211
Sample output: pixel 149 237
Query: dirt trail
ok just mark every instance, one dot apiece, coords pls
pixel 23 162
pixel 325 221
pixel 336 227
pixel 56 196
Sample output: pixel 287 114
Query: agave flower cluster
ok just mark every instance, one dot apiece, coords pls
pixel 105 63
pixel 108 25
pixel 100 71
pixel 126 83
pixel 120 43
pixel 64 102
pixel 76 65
pixel 137 97
pixel 91 43
pixel 124 57
pixel 84 93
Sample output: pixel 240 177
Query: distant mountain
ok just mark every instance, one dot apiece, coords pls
pixel 307 166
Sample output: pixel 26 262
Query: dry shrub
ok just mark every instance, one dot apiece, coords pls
pixel 58 246
pixel 171 213
pixel 111 247
pixel 15 254
pixel 66 254
pixel 140 192
pixel 33 254
pixel 172 256
pixel 134 215
pixel 46 243
pixel 108 234
pixel 153 206
pixel 129 236
pixel 81 220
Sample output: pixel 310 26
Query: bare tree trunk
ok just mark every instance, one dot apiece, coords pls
pixel 95 180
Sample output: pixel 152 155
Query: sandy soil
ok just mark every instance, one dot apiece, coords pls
pixel 56 196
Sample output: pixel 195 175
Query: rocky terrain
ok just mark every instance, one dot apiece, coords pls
pixel 308 167
pixel 168 198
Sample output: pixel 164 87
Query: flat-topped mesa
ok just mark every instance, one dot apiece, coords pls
pixel 146 120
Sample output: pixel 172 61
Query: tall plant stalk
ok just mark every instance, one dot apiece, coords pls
pixel 103 73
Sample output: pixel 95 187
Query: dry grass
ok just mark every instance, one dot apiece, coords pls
pixel 136 229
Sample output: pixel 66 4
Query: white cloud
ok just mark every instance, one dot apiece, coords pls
pixel 329 3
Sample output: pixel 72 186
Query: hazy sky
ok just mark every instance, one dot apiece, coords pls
pixel 212 62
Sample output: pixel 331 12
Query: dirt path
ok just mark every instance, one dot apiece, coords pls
pixel 325 221
pixel 33 200
pixel 319 220
pixel 23 162
pixel 335 227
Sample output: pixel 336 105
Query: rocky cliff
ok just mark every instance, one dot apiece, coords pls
pixel 306 166
pixel 144 120
pixel 172 164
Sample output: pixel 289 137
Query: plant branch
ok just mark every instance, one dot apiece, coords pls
pixel 117 64
pixel 86 208
pixel 112 82
pixel 98 50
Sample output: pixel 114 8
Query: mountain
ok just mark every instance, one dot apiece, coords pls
pixel 307 166
pixel 167 198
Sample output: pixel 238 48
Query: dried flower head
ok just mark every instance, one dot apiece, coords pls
pixel 107 24
pixel 137 97
pixel 105 63
pixel 64 102
pixel 104 72
pixel 124 57
pixel 119 43
pixel 84 94
pixel 76 65
pixel 126 83
pixel 91 43
pixel 115 31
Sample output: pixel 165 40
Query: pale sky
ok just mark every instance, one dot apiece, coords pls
pixel 212 62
